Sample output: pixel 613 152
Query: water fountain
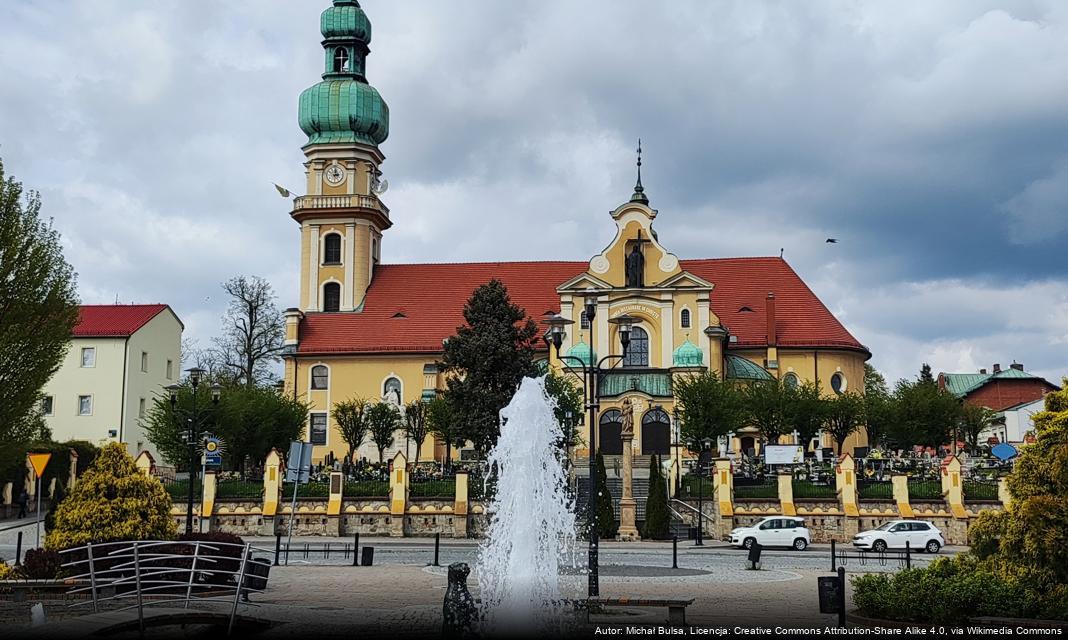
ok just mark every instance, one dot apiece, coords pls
pixel 532 520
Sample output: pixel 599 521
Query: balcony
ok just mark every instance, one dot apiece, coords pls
pixel 309 204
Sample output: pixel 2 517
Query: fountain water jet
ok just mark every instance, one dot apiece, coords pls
pixel 532 521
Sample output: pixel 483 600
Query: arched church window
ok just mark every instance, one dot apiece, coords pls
pixel 320 378
pixel 391 391
pixel 684 319
pixel 584 321
pixel 791 381
pixel 331 297
pixel 638 350
pixel 332 249
pixel 341 60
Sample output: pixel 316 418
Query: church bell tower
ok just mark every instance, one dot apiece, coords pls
pixel 341 217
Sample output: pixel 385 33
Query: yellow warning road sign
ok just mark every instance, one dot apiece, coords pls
pixel 39 462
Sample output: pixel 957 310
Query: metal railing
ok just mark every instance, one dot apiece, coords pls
pixel 759 488
pixel 980 491
pixel 135 575
pixel 924 489
pixel 875 489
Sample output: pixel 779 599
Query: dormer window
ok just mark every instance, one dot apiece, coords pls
pixel 341 60
pixel 332 249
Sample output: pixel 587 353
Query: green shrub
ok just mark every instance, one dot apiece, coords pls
pixel 40 564
pixel 112 501
pixel 7 572
pixel 657 518
pixel 985 533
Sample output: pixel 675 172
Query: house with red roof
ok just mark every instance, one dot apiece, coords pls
pixel 364 328
pixel 119 360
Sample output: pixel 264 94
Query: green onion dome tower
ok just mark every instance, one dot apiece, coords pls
pixel 343 107
pixel 342 217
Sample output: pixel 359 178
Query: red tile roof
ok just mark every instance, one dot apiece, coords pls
pixel 411 308
pixel 114 320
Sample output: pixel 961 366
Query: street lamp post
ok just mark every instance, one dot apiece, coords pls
pixel 678 451
pixel 190 434
pixel 591 379
pixel 706 446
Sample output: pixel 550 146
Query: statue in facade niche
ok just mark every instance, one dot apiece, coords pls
pixel 636 266
pixel 628 419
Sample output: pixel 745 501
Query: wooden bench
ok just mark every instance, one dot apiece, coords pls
pixel 676 608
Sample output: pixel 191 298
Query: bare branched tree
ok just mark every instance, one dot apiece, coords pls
pixel 253 331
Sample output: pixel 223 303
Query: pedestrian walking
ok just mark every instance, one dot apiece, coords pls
pixel 24 499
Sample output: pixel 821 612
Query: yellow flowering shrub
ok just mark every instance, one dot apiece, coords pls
pixel 112 502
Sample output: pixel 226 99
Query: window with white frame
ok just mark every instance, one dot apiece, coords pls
pixel 584 320
pixel 47 406
pixel 141 408
pixel 320 378
pixel 684 318
pixel 88 357
pixel 85 405
pixel 170 369
pixel 144 361
pixel 318 428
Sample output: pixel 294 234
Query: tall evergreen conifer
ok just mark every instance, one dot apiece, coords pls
pixel 657 518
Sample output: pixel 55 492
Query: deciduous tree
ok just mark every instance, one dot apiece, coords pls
pixel 568 407
pixel 845 414
pixel 974 419
pixel 38 312
pixel 350 417
pixel 253 331
pixel 416 424
pixel 383 420
pixel 708 407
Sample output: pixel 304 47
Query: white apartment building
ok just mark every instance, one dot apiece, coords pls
pixel 120 358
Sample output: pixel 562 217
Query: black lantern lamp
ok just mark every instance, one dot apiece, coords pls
pixel 623 323
pixel 557 330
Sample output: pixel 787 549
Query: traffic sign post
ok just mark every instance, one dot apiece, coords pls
pixel 39 461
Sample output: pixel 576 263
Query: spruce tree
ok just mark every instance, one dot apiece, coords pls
pixel 488 357
pixel 606 517
pixel 112 502
pixel 657 519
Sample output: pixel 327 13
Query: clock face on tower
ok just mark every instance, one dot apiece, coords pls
pixel 335 175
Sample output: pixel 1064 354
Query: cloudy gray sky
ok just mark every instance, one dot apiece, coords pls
pixel 931 138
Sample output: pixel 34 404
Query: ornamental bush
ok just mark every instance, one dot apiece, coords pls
pixel 112 502
pixel 7 572
pixel 657 519
pixel 40 564
pixel 1018 565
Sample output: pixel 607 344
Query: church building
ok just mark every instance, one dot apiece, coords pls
pixel 369 329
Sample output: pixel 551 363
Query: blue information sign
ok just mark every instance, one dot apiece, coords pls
pixel 1004 451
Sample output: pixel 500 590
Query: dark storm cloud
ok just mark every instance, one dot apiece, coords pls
pixel 930 138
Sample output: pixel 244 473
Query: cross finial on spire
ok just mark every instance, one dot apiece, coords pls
pixel 639 190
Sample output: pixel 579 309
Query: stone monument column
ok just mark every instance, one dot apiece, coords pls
pixel 628 509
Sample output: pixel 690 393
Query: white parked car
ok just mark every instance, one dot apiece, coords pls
pixel 920 535
pixel 773 531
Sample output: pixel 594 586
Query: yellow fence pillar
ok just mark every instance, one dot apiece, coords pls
pixel 398 495
pixel 208 504
pixel 272 483
pixel 144 463
pixel 72 476
pixel 723 487
pixel 459 507
pixel 900 484
pixel 333 506
pixel 786 494
pixel 845 479
pixel 952 489
pixel 1003 492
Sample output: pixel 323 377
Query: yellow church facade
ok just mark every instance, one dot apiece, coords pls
pixel 367 329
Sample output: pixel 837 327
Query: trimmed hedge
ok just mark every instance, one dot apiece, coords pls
pixel 953 590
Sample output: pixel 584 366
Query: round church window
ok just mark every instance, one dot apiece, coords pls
pixel 838 383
